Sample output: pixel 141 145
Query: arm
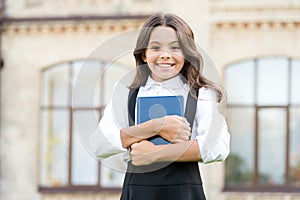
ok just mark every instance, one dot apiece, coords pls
pixel 180 152
pixel 211 129
pixel 144 152
pixel 137 133
pixel 211 139
pixel 216 145
pixel 172 128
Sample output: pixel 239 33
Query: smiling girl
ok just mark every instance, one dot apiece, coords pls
pixel 168 63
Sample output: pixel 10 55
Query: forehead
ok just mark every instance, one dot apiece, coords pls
pixel 163 34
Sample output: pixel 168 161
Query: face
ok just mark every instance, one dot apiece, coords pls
pixel 164 55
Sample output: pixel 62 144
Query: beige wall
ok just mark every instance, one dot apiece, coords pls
pixel 228 31
pixel 233 44
pixel 26 52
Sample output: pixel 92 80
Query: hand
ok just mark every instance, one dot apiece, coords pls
pixel 174 128
pixel 143 153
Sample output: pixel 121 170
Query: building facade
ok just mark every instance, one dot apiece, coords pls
pixel 52 51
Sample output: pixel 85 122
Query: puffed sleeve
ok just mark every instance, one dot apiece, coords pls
pixel 106 141
pixel 210 128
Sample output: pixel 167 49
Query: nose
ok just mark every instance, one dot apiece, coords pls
pixel 165 54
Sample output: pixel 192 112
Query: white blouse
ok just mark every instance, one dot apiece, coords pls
pixel 209 129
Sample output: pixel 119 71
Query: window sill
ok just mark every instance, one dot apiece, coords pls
pixel 78 189
pixel 258 189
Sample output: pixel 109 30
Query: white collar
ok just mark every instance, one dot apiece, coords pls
pixel 173 83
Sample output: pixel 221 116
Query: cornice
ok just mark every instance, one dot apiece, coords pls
pixel 254 14
pixel 71 26
pixel 254 8
pixel 256 25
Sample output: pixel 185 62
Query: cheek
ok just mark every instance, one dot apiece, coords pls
pixel 151 57
pixel 178 55
pixel 179 58
pixel 180 61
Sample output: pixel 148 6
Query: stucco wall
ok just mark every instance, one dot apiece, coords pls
pixel 228 31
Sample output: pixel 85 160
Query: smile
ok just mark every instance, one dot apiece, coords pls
pixel 164 65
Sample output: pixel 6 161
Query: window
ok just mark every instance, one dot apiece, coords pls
pixel 70 92
pixel 263 115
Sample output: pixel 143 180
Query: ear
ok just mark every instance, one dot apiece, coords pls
pixel 144 57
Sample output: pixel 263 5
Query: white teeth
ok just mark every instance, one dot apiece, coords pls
pixel 164 65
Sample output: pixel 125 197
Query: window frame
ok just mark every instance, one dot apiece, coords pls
pixel 1 67
pixel 255 186
pixel 69 187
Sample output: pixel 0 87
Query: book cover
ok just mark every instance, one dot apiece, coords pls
pixel 158 106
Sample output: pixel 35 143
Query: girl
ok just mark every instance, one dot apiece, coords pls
pixel 167 63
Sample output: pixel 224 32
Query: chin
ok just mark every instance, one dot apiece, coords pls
pixel 165 77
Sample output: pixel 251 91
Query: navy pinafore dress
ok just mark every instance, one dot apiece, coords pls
pixel 163 181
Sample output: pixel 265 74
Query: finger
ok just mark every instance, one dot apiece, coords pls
pixel 183 137
pixel 132 146
pixel 178 140
pixel 186 128
pixel 180 119
pixel 134 162
pixel 183 119
pixel 144 142
pixel 186 133
pixel 135 147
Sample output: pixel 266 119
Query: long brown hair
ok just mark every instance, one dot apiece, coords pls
pixel 193 65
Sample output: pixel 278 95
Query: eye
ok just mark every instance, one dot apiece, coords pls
pixel 155 47
pixel 175 48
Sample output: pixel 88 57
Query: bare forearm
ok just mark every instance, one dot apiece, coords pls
pixel 137 133
pixel 172 128
pixel 181 152
pixel 145 153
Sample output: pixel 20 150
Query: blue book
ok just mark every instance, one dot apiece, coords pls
pixel 158 106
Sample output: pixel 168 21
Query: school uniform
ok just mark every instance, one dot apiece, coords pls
pixel 177 180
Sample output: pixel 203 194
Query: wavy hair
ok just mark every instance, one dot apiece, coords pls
pixel 193 64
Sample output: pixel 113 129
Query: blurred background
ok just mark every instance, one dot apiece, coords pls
pixel 45 45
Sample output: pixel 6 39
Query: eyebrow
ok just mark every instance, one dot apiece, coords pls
pixel 157 42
